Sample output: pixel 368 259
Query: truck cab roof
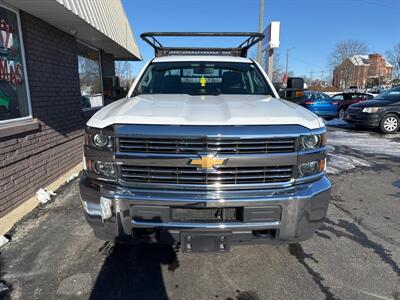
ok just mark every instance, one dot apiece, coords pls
pixel 203 58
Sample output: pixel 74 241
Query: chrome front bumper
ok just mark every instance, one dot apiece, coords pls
pixel 302 210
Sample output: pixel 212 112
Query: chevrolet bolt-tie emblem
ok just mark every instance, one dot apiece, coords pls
pixel 208 161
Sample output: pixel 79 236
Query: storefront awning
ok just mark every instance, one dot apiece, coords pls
pixel 102 24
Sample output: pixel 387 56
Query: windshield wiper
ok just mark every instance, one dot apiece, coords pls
pixel 216 92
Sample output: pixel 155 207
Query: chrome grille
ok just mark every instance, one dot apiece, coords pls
pixel 193 175
pixel 194 146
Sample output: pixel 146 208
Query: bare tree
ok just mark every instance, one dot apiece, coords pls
pixel 123 69
pixel 346 49
pixel 394 58
pixel 278 69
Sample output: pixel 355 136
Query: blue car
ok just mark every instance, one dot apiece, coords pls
pixel 320 104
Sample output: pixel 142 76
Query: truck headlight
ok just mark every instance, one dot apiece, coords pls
pixel 100 140
pixel 312 141
pixel 370 110
pixel 311 168
pixel 104 168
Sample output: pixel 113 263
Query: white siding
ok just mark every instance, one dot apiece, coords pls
pixel 108 17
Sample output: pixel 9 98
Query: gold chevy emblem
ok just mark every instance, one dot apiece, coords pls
pixel 208 161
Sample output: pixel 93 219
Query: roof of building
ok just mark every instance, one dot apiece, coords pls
pixel 362 60
pixel 102 24
pixel 359 60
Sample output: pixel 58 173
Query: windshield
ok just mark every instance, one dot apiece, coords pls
pixel 203 78
pixel 390 95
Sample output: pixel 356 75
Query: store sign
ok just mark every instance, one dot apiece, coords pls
pixel 13 96
pixel 6 36
pixel 9 69
pixel 272 36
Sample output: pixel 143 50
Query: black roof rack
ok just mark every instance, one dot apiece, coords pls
pixel 241 50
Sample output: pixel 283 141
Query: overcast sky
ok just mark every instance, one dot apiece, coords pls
pixel 310 28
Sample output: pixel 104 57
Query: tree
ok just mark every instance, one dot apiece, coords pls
pixel 394 58
pixel 278 69
pixel 347 49
pixel 123 69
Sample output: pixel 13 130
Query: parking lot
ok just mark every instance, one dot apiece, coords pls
pixel 355 255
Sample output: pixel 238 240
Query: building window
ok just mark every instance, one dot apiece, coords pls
pixel 90 77
pixel 14 98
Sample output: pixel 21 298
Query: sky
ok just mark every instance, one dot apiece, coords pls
pixel 309 28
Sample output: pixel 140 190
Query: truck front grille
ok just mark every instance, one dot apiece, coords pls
pixel 193 175
pixel 194 146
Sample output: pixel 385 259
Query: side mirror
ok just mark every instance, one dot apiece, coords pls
pixel 280 89
pixel 294 88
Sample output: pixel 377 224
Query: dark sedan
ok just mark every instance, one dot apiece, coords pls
pixel 346 99
pixel 383 111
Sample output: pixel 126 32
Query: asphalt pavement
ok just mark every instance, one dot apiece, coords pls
pixel 355 255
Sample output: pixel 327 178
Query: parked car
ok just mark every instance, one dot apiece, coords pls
pixel 383 111
pixel 319 103
pixel 203 154
pixel 346 99
pixel 352 89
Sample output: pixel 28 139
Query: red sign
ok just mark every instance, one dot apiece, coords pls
pixel 11 71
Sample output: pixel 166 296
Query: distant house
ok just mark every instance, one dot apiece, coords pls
pixel 362 71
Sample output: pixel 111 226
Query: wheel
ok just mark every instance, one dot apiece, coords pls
pixel 342 112
pixel 390 123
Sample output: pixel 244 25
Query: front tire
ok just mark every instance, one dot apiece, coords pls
pixel 342 112
pixel 390 124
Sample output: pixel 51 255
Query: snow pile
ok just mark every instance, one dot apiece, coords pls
pixel 72 177
pixel 44 196
pixel 3 288
pixel 3 241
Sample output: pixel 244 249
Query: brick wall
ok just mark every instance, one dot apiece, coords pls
pixel 108 64
pixel 34 159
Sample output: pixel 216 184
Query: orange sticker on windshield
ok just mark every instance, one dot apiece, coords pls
pixel 203 81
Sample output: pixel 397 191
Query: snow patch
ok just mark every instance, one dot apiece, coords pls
pixel 72 177
pixel 364 142
pixel 3 241
pixel 44 196
pixel 3 288
pixel 360 142
pixel 338 163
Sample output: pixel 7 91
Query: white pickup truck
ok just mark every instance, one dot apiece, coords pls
pixel 203 154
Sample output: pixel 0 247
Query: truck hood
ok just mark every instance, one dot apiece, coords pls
pixel 181 109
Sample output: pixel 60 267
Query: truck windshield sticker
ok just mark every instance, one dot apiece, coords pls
pixel 203 81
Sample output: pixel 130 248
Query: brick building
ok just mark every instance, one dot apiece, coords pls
pixel 55 58
pixel 362 71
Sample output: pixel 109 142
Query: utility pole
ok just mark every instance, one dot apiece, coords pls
pixel 311 75
pixel 260 29
pixel 287 65
pixel 270 54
